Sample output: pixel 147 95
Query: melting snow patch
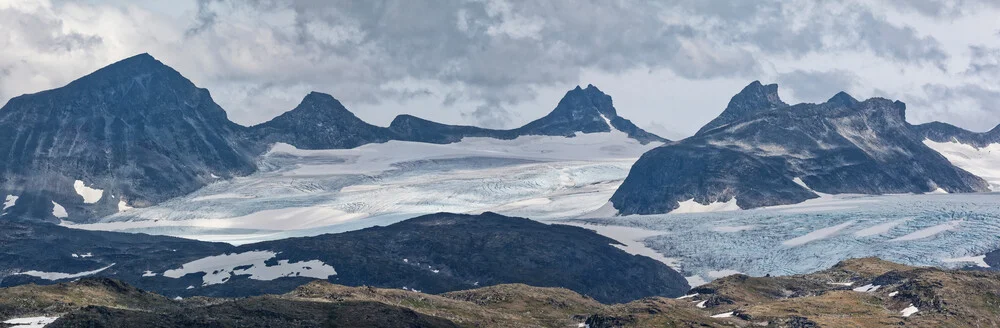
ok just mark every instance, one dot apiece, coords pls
pixel 979 261
pixel 929 232
pixel 724 315
pixel 879 229
pixel 60 275
pixel 691 206
pixel 701 305
pixel 869 288
pixel 59 211
pixel 909 311
pixel 893 294
pixel 817 235
pixel 849 283
pixel 9 201
pixel 84 255
pixel 688 296
pixel 149 274
pixel 32 322
pixel 90 195
pixel 123 206
pixel 219 269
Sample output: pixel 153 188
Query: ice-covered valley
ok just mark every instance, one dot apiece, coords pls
pixel 569 180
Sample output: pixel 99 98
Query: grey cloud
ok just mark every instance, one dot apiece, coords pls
pixel 984 61
pixel 967 105
pixel 490 116
pixel 817 86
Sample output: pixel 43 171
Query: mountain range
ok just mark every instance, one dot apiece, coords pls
pixel 136 133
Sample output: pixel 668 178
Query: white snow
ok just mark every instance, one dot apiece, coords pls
pixel 869 288
pixel 60 275
pixel 84 255
pixel 930 232
pixel 701 305
pixel 849 283
pixel 149 274
pixel 817 235
pixel 123 206
pixel 31 322
pixel 9 201
pixel 688 296
pixel 310 192
pixel 90 195
pixel 879 228
pixel 908 311
pixel 219 269
pixel 979 261
pixel 893 294
pixel 691 206
pixel 723 315
pixel 938 191
pixel 59 211
pixel 983 162
pixel 632 238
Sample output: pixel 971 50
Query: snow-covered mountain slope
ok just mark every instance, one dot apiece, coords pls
pixel 135 131
pixel 982 161
pixel 307 192
pixel 754 156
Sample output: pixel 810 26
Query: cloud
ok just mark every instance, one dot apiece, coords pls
pixel 817 86
pixel 973 106
pixel 490 116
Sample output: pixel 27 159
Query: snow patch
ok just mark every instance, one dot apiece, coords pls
pixel 90 195
pixel 9 201
pixel 848 284
pixel 701 305
pixel 123 206
pixel 688 296
pixel 84 255
pixel 817 235
pixel 59 211
pixel 869 288
pixel 724 315
pixel 691 206
pixel 893 294
pixel 149 274
pixel 910 310
pixel 979 261
pixel 61 276
pixel 930 232
pixel 31 322
pixel 879 228
pixel 219 269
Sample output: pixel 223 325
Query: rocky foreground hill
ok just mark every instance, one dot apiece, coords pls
pixel 854 293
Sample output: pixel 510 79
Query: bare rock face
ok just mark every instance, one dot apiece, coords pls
pixel 757 149
pixel 136 130
pixel 320 122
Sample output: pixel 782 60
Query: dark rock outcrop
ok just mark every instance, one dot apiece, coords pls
pixel 841 146
pixel 320 122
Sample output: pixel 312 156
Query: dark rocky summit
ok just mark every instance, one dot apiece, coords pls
pixel 581 110
pixel 757 148
pixel 320 122
pixel 433 253
pixel 136 129
pixel 944 132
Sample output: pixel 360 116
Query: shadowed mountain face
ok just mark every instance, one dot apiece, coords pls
pixel 320 122
pixel 581 110
pixel 136 129
pixel 840 146
pixel 433 253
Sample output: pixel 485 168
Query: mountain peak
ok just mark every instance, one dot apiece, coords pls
pixel 755 97
pixel 842 98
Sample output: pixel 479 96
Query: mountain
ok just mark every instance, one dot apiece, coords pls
pixel 133 133
pixel 761 154
pixel 944 132
pixel 854 293
pixel 433 253
pixel 581 110
pixel 320 122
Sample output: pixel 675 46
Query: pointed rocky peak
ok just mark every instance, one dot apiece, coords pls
pixel 321 104
pixel 842 98
pixel 755 97
pixel 584 102
pixel 139 68
pixel 320 121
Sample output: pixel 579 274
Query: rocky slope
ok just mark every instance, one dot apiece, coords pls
pixel 434 253
pixel 944 132
pixel 855 293
pixel 136 132
pixel 320 122
pixel 840 146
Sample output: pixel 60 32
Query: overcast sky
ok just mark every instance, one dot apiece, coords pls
pixel 670 66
